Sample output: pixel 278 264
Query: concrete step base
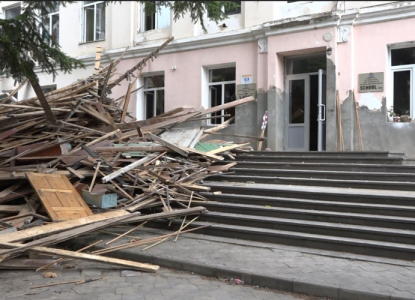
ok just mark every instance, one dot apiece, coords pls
pixel 365 247
pixel 358 184
pixel 336 206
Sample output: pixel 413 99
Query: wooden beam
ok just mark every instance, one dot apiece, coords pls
pixel 226 148
pixel 128 168
pixel 90 257
pixel 132 148
pixel 97 59
pixel 142 62
pixel 48 229
pixel 207 154
pixel 42 99
pixel 14 92
pixel 127 100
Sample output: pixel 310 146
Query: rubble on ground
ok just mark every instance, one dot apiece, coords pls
pixel 90 169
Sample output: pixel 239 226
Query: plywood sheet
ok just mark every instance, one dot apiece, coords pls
pixel 183 137
pixel 58 196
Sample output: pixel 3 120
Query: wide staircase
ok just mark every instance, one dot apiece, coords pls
pixel 357 202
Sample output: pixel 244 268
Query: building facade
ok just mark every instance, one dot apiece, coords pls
pixel 304 61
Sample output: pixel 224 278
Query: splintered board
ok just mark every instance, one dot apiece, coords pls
pixel 58 196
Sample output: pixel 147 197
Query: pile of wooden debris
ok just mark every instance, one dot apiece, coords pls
pixel 81 168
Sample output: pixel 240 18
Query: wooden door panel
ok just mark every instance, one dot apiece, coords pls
pixel 59 197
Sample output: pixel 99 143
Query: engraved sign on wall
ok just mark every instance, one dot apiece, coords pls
pixel 371 82
pixel 245 90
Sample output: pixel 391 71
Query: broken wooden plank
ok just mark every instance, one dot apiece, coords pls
pixel 90 257
pixel 128 168
pixel 207 154
pixel 37 232
pixel 14 91
pixel 75 172
pixel 10 189
pixel 127 100
pixel 132 149
pixel 227 148
pixel 97 59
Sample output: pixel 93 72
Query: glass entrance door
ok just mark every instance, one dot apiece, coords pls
pixel 297 112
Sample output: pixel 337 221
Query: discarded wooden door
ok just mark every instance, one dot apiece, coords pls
pixel 59 197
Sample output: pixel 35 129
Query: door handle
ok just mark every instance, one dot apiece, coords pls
pixel 322 106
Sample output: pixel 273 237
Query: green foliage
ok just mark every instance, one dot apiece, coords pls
pixel 21 43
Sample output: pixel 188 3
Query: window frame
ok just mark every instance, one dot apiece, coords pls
pixel 49 16
pixel 156 16
pixel 54 87
pixel 155 94
pixel 222 83
pixel 15 5
pixel 223 10
pixel 393 69
pixel 83 5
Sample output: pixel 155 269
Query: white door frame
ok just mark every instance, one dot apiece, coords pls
pixel 306 124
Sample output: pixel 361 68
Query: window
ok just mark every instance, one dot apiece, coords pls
pixel 48 88
pixel 402 69
pixel 234 11
pixel 305 64
pixel 158 20
pixel 51 23
pixel 221 91
pixel 10 13
pixel 154 95
pixel 94 20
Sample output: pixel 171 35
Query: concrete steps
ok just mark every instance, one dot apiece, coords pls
pixel 323 159
pixel 322 174
pixel 317 241
pixel 358 202
pixel 363 184
pixel 360 154
pixel 337 206
pixel 322 166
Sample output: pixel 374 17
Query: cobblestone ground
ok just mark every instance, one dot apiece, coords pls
pixel 116 284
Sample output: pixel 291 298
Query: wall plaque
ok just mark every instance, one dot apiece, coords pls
pixel 370 82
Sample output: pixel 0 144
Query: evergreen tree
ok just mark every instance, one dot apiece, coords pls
pixel 22 45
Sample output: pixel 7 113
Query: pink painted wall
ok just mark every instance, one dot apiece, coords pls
pixel 183 87
pixel 294 44
pixel 371 53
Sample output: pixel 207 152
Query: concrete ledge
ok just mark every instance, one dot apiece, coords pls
pixel 333 292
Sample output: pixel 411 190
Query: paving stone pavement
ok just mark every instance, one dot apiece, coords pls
pixel 163 285
pixel 326 268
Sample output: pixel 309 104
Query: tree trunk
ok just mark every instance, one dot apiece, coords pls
pixel 39 93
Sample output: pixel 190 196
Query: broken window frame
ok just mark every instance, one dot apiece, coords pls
pixel 18 5
pixel 402 68
pixel 214 122
pixel 14 98
pixel 49 17
pixel 86 6
pixel 156 18
pixel 147 90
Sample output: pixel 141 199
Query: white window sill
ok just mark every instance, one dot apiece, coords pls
pixel 83 43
